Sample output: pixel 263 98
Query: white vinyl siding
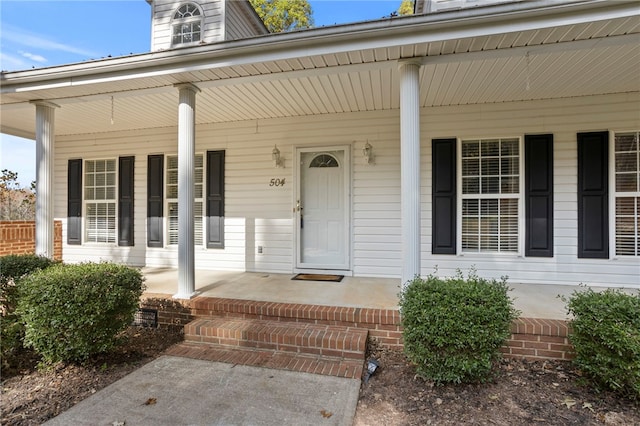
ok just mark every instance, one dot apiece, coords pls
pixel 490 195
pixel 172 200
pixel 239 23
pixel 626 162
pixel 257 215
pixel 100 201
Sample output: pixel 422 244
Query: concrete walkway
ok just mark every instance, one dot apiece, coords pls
pixel 182 391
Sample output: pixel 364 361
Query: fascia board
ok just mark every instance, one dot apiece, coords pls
pixel 330 40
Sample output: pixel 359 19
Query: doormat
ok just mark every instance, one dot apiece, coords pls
pixel 318 277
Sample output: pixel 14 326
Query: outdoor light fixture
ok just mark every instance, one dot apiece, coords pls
pixel 367 152
pixel 275 156
pixel 372 365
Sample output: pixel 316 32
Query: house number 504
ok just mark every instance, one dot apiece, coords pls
pixel 276 182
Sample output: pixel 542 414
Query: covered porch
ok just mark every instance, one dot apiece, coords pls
pixel 533 300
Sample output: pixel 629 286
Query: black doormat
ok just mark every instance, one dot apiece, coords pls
pixel 318 277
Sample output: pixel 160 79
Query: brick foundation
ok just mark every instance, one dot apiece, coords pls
pixel 171 313
pixel 535 338
pixel 531 338
pixel 19 237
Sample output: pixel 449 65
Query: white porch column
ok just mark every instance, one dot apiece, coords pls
pixel 186 168
pixel 45 139
pixel 410 167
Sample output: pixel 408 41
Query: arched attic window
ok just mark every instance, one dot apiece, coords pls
pixel 187 25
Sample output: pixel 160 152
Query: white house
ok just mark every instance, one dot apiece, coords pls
pixel 497 135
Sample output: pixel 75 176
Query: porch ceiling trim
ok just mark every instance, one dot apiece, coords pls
pixel 499 19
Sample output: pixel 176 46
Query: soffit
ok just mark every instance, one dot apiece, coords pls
pixel 563 61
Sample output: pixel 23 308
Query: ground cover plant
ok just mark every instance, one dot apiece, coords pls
pixel 454 327
pixel 606 338
pixel 72 312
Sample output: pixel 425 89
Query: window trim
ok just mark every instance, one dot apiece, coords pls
pixel 520 197
pixel 612 197
pixel 85 201
pixel 166 200
pixel 188 20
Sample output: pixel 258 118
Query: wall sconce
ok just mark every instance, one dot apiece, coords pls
pixel 275 156
pixel 367 152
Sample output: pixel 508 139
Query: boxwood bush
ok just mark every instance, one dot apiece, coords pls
pixel 606 337
pixel 454 327
pixel 12 269
pixel 74 311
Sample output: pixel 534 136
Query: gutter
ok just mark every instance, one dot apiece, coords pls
pixel 392 32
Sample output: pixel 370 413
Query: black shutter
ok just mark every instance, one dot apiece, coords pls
pixel 155 200
pixel 74 202
pixel 538 182
pixel 125 201
pixel 215 199
pixel 593 184
pixel 444 197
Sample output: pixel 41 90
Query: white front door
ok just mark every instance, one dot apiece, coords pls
pixel 322 212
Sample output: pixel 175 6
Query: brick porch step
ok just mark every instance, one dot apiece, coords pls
pixel 333 350
pixel 300 362
pixel 284 336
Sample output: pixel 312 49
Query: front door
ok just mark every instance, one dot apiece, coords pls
pixel 322 213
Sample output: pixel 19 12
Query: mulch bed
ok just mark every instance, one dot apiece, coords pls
pixel 523 392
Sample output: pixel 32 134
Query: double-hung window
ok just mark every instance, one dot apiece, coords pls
pixel 172 200
pixel 627 193
pixel 490 195
pixel 100 200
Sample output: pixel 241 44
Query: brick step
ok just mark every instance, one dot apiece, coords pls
pixel 370 318
pixel 300 362
pixel 283 336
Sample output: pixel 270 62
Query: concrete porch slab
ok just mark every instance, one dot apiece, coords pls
pixel 533 300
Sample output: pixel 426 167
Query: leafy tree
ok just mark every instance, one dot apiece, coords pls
pixel 16 203
pixel 406 8
pixel 284 15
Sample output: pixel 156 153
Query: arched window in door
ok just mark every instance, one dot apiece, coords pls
pixel 324 160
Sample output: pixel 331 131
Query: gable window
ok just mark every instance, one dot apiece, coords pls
pixel 100 200
pixel 172 200
pixel 490 195
pixel 187 25
pixel 627 193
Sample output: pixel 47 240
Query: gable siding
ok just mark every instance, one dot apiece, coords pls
pixel 259 215
pixel 236 23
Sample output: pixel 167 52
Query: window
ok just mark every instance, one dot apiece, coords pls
pixel 100 201
pixel 172 200
pixel 187 25
pixel 490 180
pixel 627 193
pixel 324 160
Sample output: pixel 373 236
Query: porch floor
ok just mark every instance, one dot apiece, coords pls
pixel 533 300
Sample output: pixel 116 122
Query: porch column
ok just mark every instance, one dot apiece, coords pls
pixel 186 161
pixel 45 139
pixel 410 167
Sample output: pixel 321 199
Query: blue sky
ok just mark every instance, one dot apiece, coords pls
pixel 36 34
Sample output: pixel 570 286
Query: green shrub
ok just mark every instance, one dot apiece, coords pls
pixel 12 269
pixel 454 328
pixel 606 337
pixel 74 311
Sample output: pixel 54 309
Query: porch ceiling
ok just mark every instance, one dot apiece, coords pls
pixel 570 60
